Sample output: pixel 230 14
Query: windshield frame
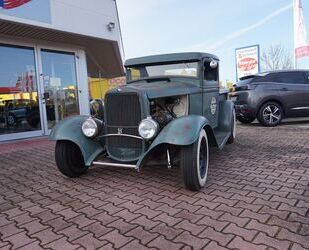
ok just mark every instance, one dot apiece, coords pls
pixel 197 77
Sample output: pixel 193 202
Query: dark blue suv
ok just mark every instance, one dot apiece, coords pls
pixel 271 96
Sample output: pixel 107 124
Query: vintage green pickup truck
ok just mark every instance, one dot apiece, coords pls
pixel 171 110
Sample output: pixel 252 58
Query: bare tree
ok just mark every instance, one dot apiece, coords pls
pixel 276 58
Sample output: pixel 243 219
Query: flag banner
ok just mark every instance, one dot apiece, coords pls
pixel 300 33
pixel 302 51
pixel 34 10
pixel 11 4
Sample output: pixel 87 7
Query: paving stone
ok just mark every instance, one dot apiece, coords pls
pixel 19 240
pixel 269 230
pixel 211 234
pixel 34 227
pixel 248 235
pixel 90 242
pixel 162 243
pixel 62 243
pixel 122 226
pixel 217 225
pixel 190 227
pixel 191 240
pixel 9 229
pixel 167 231
pixel 285 234
pixel 72 232
pixel 249 202
pixel 239 243
pixel 262 238
pixel 97 229
pixel 169 220
pixel 117 239
pixel 33 246
pixel 46 236
pixel 227 217
pixel 142 235
pixel 134 245
pixel 145 222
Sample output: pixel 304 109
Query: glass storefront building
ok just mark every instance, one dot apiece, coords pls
pixel 51 69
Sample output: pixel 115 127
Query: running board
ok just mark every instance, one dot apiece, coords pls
pixel 110 164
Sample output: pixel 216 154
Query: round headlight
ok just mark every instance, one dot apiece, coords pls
pixel 148 128
pixel 90 128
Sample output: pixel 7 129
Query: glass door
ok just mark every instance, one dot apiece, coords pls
pixel 20 111
pixel 59 80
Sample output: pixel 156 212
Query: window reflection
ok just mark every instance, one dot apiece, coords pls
pixel 60 85
pixel 19 104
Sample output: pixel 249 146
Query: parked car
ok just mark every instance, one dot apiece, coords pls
pixel 13 112
pixel 271 96
pixel 171 109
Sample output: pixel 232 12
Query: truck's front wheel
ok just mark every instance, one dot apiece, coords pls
pixel 194 163
pixel 69 159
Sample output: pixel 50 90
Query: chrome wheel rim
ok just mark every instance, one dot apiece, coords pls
pixel 11 120
pixel 271 114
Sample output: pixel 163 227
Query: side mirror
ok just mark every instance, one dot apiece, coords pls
pixel 213 64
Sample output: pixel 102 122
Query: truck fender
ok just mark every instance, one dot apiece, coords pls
pixel 70 129
pixel 182 131
pixel 226 115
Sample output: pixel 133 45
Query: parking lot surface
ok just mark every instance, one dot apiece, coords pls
pixel 257 197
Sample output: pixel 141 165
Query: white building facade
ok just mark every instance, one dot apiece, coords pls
pixel 48 51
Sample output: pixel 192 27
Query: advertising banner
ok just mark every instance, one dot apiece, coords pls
pixel 35 10
pixel 300 32
pixel 247 61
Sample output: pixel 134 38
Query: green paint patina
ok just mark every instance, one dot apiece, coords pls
pixel 208 108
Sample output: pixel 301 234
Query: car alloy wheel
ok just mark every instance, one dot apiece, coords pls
pixel 272 114
pixel 11 120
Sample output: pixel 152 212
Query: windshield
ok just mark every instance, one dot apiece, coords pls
pixel 184 69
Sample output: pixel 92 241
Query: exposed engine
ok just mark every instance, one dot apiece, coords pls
pixel 164 110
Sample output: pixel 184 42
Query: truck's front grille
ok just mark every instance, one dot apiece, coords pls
pixel 123 115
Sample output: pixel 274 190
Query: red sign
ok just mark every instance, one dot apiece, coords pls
pixel 118 81
pixel 247 64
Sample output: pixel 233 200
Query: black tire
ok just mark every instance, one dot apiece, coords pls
pixel 194 163
pixel 245 120
pixel 69 159
pixel 270 114
pixel 233 129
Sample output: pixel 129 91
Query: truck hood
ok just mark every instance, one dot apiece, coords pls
pixel 162 88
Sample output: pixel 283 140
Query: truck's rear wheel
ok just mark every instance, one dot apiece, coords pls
pixel 69 159
pixel 194 163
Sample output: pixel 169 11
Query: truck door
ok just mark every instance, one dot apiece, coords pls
pixel 211 91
